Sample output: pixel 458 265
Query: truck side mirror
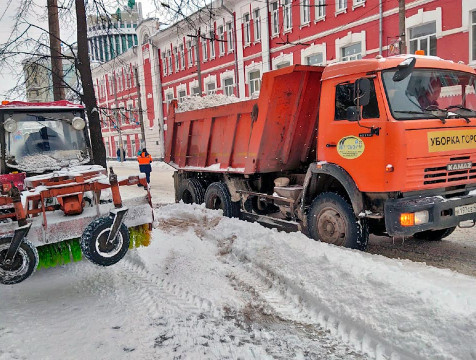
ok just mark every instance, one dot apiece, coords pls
pixel 362 92
pixel 353 113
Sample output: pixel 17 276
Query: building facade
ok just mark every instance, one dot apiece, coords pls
pixel 231 45
pixel 112 35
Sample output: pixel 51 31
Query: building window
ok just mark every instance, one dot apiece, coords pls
pixel 228 86
pixel 305 12
pixel 275 18
pixel 211 88
pixel 190 53
pixel 176 57
pixel 182 94
pixel 182 57
pixel 212 44
pixel 164 63
pixel 341 5
pixel 246 28
pixel 169 98
pixel 169 61
pixel 283 64
pixel 255 81
pixel 133 148
pixel 314 59
pixel 473 34
pixel 204 49
pixel 358 2
pixel 257 25
pixel 351 52
pixel 423 37
pixel 196 91
pixel 230 37
pixel 287 15
pixel 320 9
pixel 221 39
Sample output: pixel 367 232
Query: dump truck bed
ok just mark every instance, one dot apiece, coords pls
pixel 275 132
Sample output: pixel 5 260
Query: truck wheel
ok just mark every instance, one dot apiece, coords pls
pixel 434 235
pixel 218 196
pixel 191 191
pixel 24 263
pixel 332 220
pixel 94 242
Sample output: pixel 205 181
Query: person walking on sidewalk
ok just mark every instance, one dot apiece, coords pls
pixel 145 160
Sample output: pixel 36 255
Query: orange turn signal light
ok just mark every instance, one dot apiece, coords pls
pixel 420 52
pixel 5 102
pixel 407 219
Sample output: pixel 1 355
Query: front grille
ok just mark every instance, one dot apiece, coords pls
pixel 437 174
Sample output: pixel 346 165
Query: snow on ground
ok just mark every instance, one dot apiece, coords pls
pixel 216 288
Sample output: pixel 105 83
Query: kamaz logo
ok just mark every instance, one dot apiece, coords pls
pixel 460 166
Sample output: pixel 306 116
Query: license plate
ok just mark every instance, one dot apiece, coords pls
pixel 465 209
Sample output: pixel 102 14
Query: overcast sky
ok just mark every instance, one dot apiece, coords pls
pixel 8 11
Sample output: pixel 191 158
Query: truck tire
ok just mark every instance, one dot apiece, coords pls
pixel 332 220
pixel 434 235
pixel 191 191
pixel 218 196
pixel 93 242
pixel 24 263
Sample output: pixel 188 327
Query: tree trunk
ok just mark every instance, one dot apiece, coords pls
pixel 55 50
pixel 89 97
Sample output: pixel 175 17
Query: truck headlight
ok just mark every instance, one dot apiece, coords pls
pixel 10 125
pixel 416 218
pixel 78 123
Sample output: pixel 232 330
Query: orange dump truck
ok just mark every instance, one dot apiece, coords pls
pixel 384 146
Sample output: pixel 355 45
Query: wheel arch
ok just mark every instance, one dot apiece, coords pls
pixel 327 177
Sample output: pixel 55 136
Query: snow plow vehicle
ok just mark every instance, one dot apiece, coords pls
pixel 384 146
pixel 55 206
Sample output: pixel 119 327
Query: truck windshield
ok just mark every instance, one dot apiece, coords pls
pixel 427 90
pixel 44 141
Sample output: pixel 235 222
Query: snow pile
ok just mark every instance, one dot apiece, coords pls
pixel 202 102
pixel 386 308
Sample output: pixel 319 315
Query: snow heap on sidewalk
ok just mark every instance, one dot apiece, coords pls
pixel 202 102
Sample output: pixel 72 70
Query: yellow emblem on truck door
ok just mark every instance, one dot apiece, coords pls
pixel 451 140
pixel 350 147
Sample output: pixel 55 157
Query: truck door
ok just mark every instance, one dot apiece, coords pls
pixel 349 144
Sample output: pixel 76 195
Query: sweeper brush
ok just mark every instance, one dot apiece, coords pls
pixel 62 253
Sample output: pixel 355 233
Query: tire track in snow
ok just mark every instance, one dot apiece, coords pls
pixel 292 303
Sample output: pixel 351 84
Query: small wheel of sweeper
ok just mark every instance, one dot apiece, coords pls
pixel 23 265
pixel 95 246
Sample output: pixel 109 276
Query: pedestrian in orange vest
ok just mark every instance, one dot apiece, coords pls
pixel 145 159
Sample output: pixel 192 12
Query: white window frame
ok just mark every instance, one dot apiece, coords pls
pixel 180 97
pixel 305 12
pixel 230 38
pixel 315 54
pixel 182 57
pixel 287 15
pixel 169 61
pixel 274 6
pixel 356 56
pixel 190 53
pixel 212 45
pixel 228 90
pixel 246 29
pixel 423 17
pixel 357 3
pixel 214 90
pixel 341 6
pixel 350 39
pixel 419 39
pixel 256 25
pixel 164 63
pixel 169 96
pixel 176 58
pixel 320 10
pixel 254 83
pixel 221 40
pixel 204 49
pixel 282 58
